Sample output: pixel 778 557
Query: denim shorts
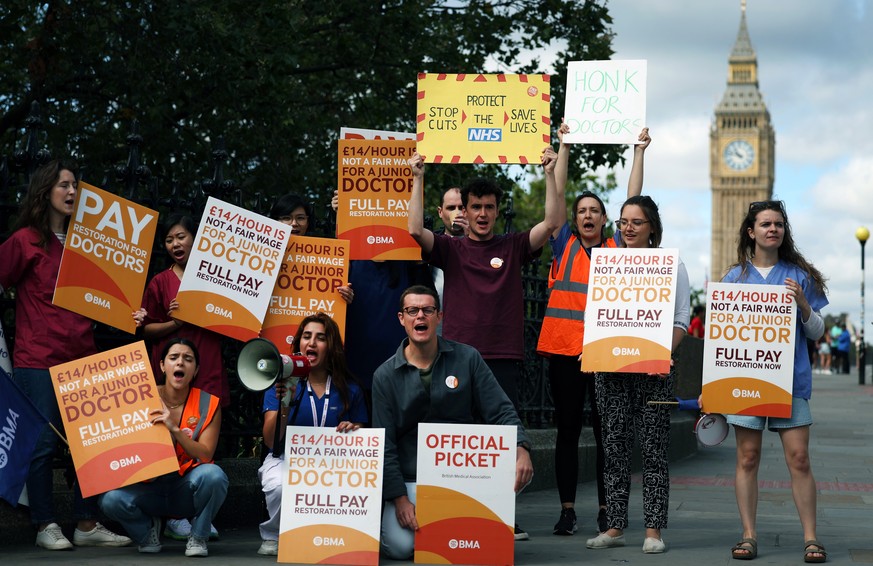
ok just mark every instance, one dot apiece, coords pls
pixel 800 416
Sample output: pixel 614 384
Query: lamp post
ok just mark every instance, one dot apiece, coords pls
pixel 862 234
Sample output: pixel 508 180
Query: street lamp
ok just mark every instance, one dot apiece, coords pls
pixel 862 234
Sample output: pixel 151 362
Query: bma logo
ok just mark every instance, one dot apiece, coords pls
pixel 125 462
pixel 746 394
pixel 328 541
pixel 226 313
pixel 463 544
pixel 625 351
pixel 484 134
pixel 7 437
pixel 380 240
pixel 95 300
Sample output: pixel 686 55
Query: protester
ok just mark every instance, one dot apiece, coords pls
pixel 193 419
pixel 563 329
pixel 696 328
pixel 623 402
pixel 843 345
pixel 159 327
pixel 451 212
pixel 45 336
pixel 766 254
pixel 824 353
pixel 412 387
pixel 317 338
pixel 482 272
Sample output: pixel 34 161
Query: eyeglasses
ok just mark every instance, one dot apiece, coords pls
pixel 299 219
pixel 636 222
pixel 413 311
pixel 777 205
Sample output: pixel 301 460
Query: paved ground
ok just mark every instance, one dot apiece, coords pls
pixel 703 516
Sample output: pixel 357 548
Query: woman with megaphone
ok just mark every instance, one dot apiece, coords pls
pixel 328 397
pixel 193 419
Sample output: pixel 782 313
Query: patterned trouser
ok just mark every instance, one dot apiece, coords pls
pixel 622 400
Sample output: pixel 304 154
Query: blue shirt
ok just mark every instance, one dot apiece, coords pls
pixel 357 412
pixel 802 386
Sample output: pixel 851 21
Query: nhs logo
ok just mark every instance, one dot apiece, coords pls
pixel 485 134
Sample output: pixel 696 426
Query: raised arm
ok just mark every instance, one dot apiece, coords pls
pixel 635 183
pixel 416 228
pixel 554 214
pixel 561 168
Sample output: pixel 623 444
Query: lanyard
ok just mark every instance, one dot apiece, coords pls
pixel 312 403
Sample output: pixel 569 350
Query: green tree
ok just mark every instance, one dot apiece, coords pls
pixel 275 79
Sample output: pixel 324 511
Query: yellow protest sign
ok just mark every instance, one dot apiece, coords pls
pixel 480 118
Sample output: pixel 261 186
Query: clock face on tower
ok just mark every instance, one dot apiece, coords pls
pixel 738 155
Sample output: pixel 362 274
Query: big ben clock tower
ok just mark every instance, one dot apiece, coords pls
pixel 742 151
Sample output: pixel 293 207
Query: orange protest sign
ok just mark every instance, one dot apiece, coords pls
pixel 483 118
pixel 105 401
pixel 106 257
pixel 311 273
pixel 375 184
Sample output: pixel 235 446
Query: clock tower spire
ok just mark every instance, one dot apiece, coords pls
pixel 742 151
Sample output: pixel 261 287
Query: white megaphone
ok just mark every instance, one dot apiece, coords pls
pixel 260 365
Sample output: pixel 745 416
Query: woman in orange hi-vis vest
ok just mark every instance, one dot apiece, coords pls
pixel 563 327
pixel 198 489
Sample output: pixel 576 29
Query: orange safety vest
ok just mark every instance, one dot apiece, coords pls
pixel 564 322
pixel 199 410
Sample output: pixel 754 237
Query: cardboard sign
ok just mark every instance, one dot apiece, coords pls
pixel 375 184
pixel 311 273
pixel 365 134
pixel 483 118
pixel 748 354
pixel 629 314
pixel 232 270
pixel 332 496
pixel 106 257
pixel 465 499
pixel 606 101
pixel 105 401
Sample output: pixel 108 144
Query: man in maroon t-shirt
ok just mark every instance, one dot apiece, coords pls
pixel 483 295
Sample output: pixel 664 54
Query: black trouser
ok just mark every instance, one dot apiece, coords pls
pixel 570 389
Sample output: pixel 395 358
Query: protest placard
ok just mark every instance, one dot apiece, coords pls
pixel 232 270
pixel 311 272
pixel 479 118
pixel 106 257
pixel 629 314
pixel 375 185
pixel 465 498
pixel 105 401
pixel 748 353
pixel 606 101
pixel 332 496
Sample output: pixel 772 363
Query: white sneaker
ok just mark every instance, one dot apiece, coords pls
pixel 99 536
pixel 603 540
pixel 213 532
pixel 269 548
pixel 152 545
pixel 654 545
pixel 52 538
pixel 196 547
pixel 177 529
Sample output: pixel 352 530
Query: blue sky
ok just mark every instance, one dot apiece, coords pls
pixel 815 69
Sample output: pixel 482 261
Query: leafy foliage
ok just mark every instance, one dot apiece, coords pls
pixel 275 79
